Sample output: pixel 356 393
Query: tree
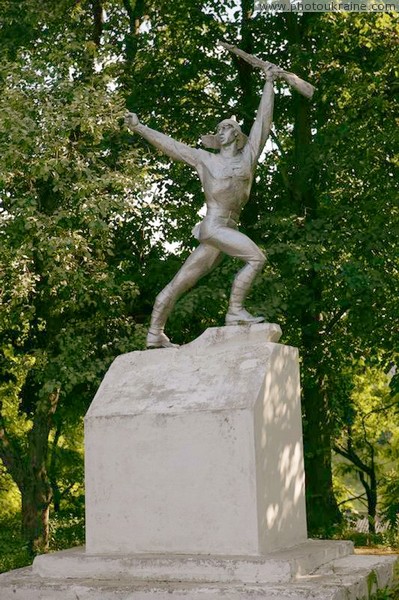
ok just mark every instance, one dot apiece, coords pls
pixel 65 301
pixel 370 436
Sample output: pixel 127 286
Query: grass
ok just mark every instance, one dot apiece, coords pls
pixel 386 594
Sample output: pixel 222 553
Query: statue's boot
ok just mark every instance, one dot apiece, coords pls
pixel 241 317
pixel 163 305
pixel 159 340
pixel 237 315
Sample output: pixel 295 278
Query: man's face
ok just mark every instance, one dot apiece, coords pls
pixel 226 133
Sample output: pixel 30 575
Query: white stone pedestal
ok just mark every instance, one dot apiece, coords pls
pixel 198 449
pixel 195 485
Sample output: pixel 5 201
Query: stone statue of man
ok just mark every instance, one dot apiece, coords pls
pixel 226 179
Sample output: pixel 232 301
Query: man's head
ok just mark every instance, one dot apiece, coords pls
pixel 228 132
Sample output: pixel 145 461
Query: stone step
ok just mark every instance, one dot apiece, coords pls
pixel 276 567
pixel 346 578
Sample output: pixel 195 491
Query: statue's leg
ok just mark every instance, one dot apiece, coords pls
pixel 236 244
pixel 199 263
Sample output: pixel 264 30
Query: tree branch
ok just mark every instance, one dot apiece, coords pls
pixel 334 320
pixel 353 458
pixel 359 497
pixel 381 409
pixel 98 21
pixel 282 169
pixel 135 14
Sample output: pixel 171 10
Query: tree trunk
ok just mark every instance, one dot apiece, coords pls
pixel 36 498
pixel 52 470
pixel 27 467
pixel 322 508
pixel 364 471
pixel 372 502
pixel 371 493
pixel 36 489
pixel 372 496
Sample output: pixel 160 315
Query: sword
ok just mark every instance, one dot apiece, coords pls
pixel 301 86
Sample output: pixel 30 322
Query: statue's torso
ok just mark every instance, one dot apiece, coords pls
pixel 226 181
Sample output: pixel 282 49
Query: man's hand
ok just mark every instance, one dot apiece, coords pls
pixel 272 72
pixel 131 121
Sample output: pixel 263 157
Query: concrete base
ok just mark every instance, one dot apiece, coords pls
pixel 315 570
pixel 198 449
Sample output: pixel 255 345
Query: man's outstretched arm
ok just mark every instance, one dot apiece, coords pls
pixel 261 128
pixel 174 149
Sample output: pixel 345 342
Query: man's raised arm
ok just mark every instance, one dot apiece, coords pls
pixel 174 149
pixel 261 128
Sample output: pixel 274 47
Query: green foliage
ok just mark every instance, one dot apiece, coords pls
pixel 372 582
pixel 361 540
pixel 390 501
pixel 67 529
pixel 368 447
pixel 9 495
pixel 388 593
pixel 66 298
pixel 14 552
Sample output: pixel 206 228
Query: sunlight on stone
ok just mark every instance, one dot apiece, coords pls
pixel 291 466
pixel 272 514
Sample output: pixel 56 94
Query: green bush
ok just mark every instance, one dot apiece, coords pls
pixel 13 549
pixel 66 531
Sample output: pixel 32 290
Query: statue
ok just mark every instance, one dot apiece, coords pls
pixel 226 179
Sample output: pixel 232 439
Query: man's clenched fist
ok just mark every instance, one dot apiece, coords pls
pixel 132 120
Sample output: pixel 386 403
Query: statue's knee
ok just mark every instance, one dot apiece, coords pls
pixel 258 262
